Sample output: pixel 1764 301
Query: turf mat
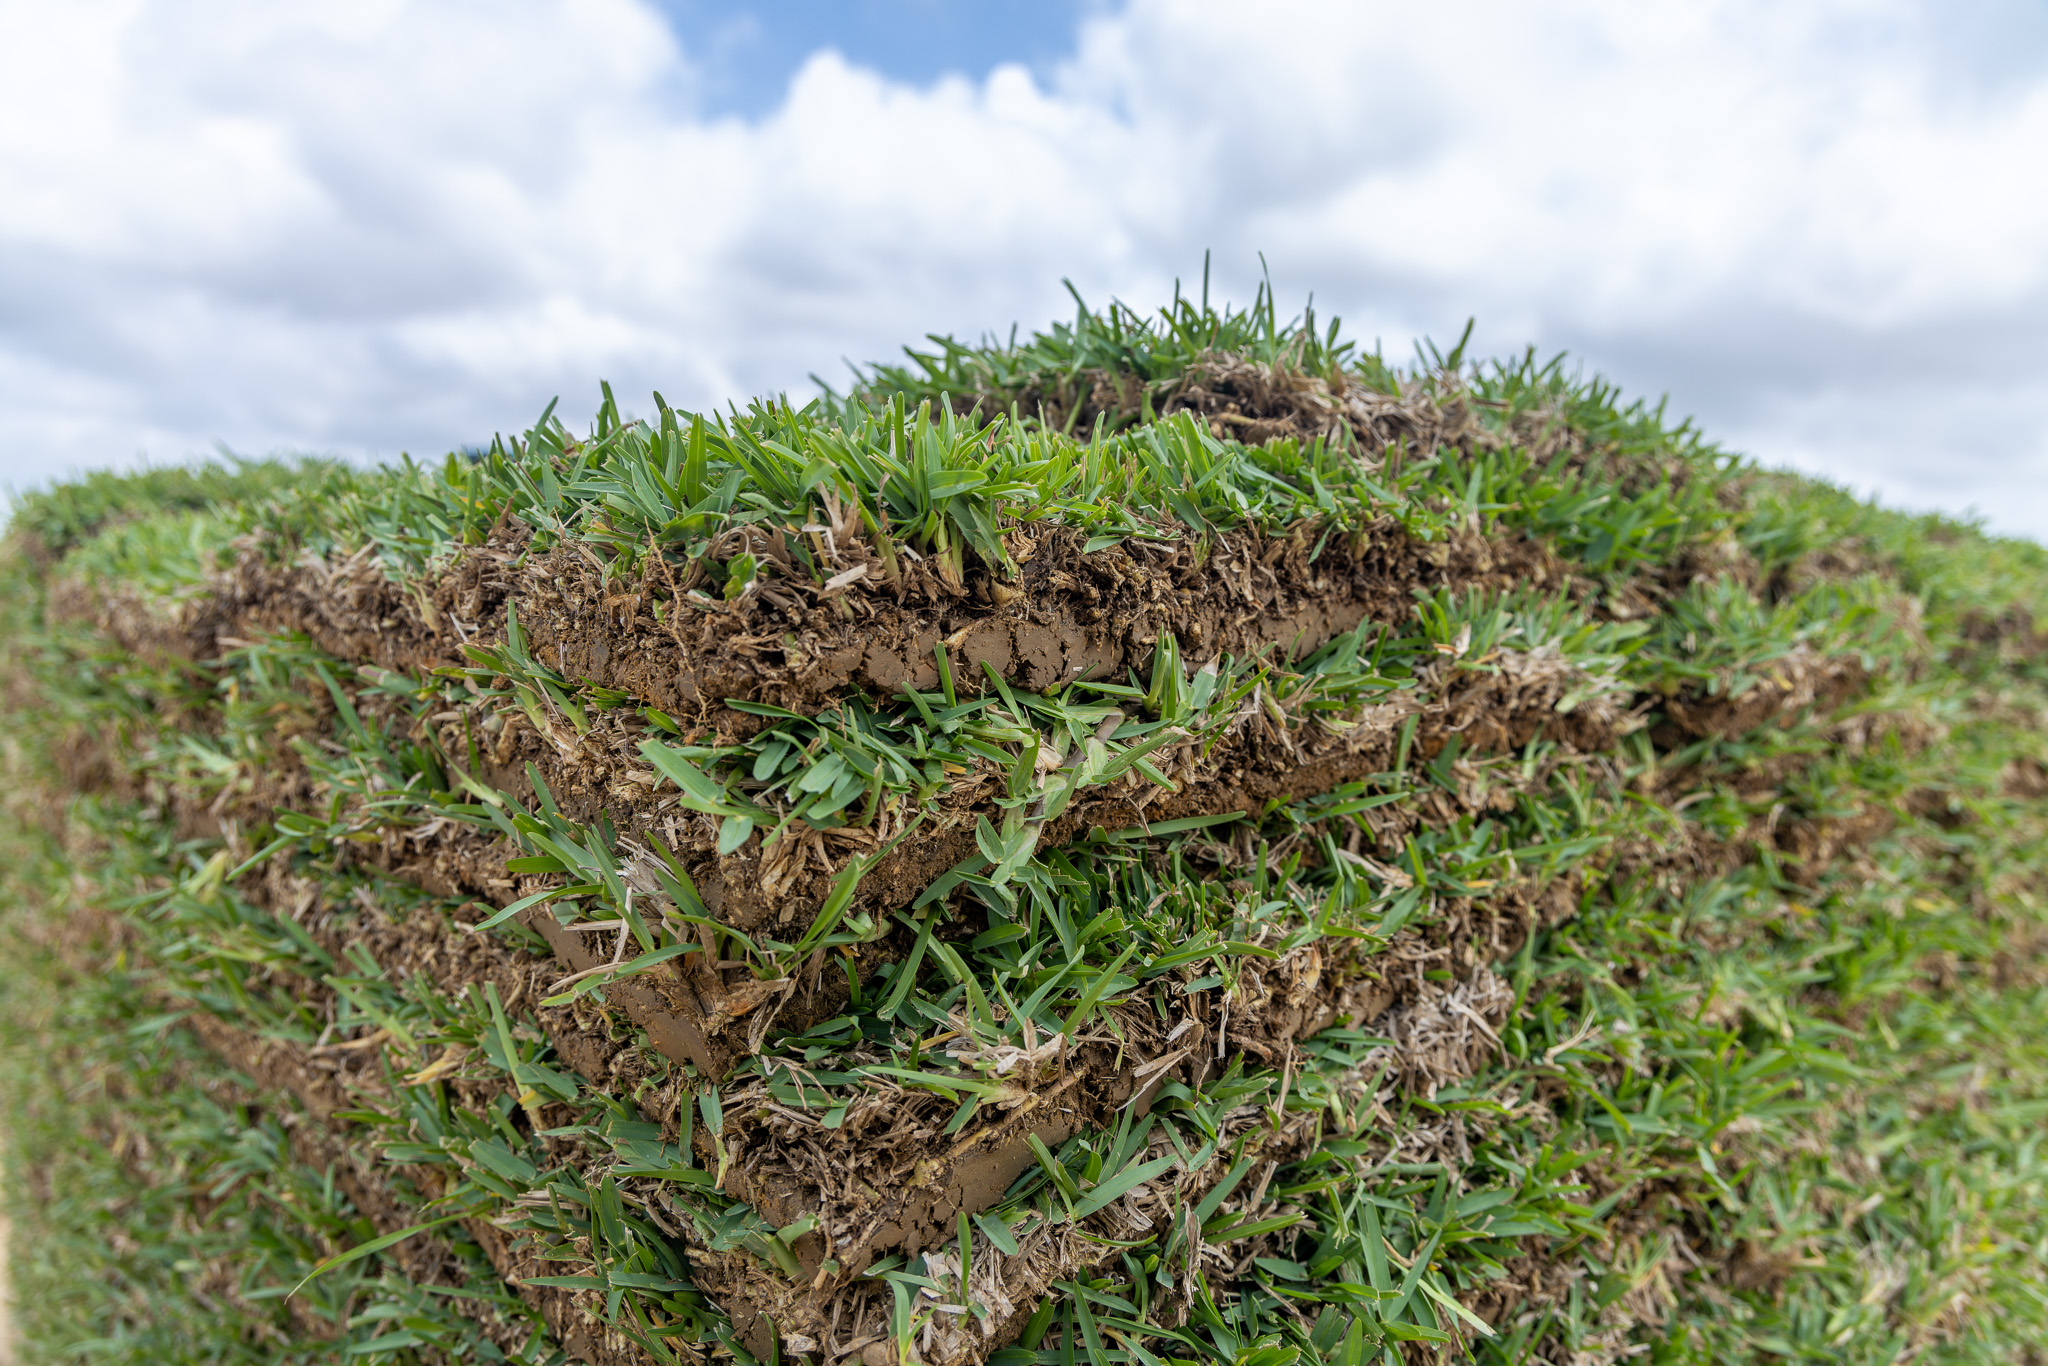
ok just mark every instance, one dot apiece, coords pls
pixel 1172 839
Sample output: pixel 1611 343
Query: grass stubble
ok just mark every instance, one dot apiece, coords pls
pixel 1172 839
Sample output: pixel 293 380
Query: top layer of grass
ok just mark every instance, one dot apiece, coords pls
pixel 940 458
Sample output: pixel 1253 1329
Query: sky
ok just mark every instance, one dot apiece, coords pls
pixel 403 225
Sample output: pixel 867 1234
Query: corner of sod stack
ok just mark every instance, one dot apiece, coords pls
pixel 1175 840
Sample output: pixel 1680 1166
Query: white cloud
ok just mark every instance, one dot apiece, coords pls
pixel 405 225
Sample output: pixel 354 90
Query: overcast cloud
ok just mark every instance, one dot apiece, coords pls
pixel 402 226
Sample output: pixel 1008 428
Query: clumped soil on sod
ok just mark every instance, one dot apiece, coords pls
pixel 1598 981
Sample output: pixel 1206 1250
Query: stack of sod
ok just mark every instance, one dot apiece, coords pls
pixel 1169 841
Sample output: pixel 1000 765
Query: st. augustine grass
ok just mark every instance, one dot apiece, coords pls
pixel 1772 1092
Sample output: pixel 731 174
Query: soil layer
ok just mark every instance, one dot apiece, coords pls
pixel 801 647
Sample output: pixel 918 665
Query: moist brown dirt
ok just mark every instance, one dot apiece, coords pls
pixel 1067 616
pixel 2025 778
pixel 2012 635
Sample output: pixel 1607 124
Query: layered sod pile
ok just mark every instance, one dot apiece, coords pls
pixel 1168 841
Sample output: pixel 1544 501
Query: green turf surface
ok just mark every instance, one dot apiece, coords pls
pixel 1771 1090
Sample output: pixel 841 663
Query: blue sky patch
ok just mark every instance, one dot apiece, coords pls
pixel 747 50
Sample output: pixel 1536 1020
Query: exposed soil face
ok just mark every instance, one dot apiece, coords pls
pixel 2013 634
pixel 795 645
pixel 156 629
pixel 1068 616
